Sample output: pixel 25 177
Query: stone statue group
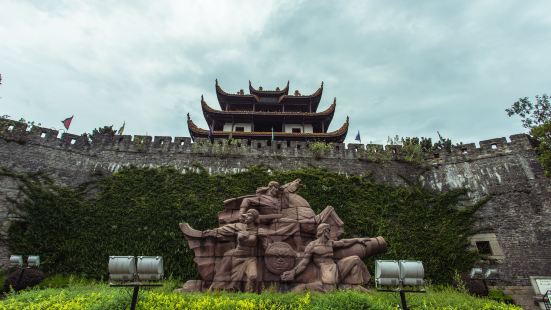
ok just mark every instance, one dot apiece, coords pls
pixel 273 239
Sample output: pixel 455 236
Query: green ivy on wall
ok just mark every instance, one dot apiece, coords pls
pixel 136 211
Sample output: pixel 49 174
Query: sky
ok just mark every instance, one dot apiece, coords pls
pixel 407 68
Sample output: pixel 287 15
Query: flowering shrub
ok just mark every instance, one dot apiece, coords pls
pixel 101 296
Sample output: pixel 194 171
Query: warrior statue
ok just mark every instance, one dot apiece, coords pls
pixel 261 243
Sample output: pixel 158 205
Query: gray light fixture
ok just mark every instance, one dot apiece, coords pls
pixel 393 276
pixel 33 261
pixel 399 273
pixel 475 273
pixel 491 273
pixel 125 271
pixel 16 261
pixel 487 274
pixel 387 273
pixel 412 273
pixel 150 268
pixel 122 268
pixel 479 273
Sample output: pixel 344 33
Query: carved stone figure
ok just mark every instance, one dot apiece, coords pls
pixel 260 243
pixel 279 257
pixel 272 198
pixel 238 268
pixel 349 270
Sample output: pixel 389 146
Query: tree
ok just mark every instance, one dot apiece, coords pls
pixel 532 115
pixel 537 117
pixel 105 130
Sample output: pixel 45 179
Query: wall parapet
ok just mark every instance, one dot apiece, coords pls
pixel 20 132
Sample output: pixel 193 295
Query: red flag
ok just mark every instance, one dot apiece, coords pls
pixel 67 122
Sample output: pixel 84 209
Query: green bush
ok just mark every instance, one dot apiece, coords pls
pixel 136 211
pixel 499 295
pixel 319 149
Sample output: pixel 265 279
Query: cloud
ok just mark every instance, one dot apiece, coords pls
pixel 403 67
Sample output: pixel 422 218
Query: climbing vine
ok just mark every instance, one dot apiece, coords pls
pixel 136 211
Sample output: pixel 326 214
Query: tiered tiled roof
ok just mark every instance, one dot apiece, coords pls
pixel 262 109
pixel 255 96
pixel 212 114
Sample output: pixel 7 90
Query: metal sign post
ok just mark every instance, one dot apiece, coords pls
pixel 403 300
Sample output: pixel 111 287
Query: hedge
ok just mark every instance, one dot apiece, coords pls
pixel 100 296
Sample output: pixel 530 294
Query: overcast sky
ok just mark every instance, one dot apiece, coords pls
pixel 407 68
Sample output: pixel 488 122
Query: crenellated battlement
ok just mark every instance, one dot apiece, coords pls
pixel 507 170
pixel 21 133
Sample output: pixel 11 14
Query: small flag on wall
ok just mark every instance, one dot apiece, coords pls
pixel 358 137
pixel 121 130
pixel 67 122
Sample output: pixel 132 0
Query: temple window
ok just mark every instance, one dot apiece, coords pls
pixel 239 127
pixel 268 99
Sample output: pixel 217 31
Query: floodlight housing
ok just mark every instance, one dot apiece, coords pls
pixel 150 268
pixel 33 261
pixel 475 273
pixel 412 273
pixel 16 261
pixel 387 273
pixel 122 268
pixel 399 273
pixel 491 273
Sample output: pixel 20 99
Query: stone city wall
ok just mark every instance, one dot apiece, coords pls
pixel 518 213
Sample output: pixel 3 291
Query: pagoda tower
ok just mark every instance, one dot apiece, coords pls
pixel 268 115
